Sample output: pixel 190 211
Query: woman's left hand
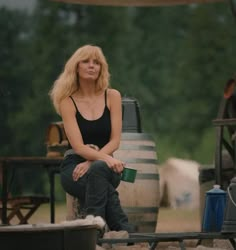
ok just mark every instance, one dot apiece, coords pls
pixel 80 170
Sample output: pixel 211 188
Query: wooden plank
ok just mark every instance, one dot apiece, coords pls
pixel 224 122
pixel 52 165
pixel 137 2
pixel 28 203
pixel 31 160
pixel 167 237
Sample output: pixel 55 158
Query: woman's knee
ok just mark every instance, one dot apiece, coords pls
pixel 99 168
pixel 74 188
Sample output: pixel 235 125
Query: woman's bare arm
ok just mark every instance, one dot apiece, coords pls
pixel 73 132
pixel 74 136
pixel 115 106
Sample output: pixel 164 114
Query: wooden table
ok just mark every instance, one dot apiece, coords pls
pixel 51 165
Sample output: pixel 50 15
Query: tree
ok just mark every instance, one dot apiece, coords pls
pixel 13 41
pixel 181 63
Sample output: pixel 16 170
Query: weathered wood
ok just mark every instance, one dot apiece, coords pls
pixel 15 205
pixel 52 165
pixel 224 122
pixel 154 238
pixel 137 2
pixel 31 160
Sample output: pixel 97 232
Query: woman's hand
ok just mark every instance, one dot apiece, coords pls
pixel 80 170
pixel 115 164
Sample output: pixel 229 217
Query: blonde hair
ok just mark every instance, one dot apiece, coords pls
pixel 67 82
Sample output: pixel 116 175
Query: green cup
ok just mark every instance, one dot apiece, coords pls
pixel 129 175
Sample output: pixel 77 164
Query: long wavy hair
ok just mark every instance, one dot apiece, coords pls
pixel 67 82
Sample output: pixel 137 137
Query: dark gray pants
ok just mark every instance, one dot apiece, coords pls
pixel 96 191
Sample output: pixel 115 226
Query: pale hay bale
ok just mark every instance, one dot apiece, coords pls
pixel 179 183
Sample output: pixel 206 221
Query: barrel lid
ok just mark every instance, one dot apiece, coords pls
pixel 129 99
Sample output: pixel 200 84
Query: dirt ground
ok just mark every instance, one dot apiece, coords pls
pixel 169 220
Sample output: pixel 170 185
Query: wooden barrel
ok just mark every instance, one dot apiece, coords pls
pixel 55 133
pixel 56 139
pixel 140 200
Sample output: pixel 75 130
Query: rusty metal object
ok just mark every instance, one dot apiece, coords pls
pixel 225 153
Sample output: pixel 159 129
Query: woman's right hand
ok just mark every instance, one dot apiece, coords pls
pixel 80 170
pixel 115 164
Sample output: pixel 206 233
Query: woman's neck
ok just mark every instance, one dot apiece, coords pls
pixel 88 91
pixel 87 88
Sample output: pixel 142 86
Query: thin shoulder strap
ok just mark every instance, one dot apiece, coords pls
pixel 105 97
pixel 74 103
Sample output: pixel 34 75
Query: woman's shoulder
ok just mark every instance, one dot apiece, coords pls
pixel 68 106
pixel 113 97
pixel 66 100
pixel 67 103
pixel 113 93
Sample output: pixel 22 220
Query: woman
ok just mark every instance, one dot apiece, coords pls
pixel 92 118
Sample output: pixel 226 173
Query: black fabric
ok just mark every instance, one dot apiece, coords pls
pixel 95 131
pixel 96 192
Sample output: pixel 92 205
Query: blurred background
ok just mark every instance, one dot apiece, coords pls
pixel 174 60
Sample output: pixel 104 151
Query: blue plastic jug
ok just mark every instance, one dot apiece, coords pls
pixel 213 216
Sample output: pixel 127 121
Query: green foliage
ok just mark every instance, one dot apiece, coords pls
pixel 13 74
pixel 173 60
pixel 185 88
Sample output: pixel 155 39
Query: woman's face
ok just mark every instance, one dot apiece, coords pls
pixel 89 69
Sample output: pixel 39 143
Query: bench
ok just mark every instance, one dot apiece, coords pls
pixel 16 206
pixel 154 238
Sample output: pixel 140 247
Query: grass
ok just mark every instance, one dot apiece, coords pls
pixel 168 220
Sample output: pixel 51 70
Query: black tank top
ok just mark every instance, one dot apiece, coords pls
pixel 97 131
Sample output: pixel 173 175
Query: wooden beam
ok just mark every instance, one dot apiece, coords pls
pixel 137 2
